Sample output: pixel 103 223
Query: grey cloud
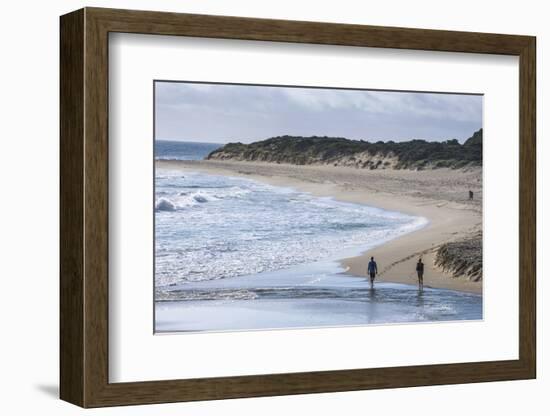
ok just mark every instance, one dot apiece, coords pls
pixel 221 113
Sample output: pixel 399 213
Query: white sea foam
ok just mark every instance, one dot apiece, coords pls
pixel 212 227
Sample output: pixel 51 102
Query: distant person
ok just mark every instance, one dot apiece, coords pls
pixel 420 273
pixel 372 270
pixel 471 194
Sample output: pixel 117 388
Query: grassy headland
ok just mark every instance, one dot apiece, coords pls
pixel 339 151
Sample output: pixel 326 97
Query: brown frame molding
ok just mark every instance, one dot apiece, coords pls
pixel 84 207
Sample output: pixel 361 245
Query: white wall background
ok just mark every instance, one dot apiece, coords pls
pixel 29 209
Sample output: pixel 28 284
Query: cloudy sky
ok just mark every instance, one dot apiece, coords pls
pixel 228 113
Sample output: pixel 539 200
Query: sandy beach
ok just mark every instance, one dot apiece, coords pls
pixel 439 195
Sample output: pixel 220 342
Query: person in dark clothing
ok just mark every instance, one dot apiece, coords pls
pixel 420 273
pixel 471 194
pixel 372 270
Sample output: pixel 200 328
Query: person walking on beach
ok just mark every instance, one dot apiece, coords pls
pixel 372 270
pixel 420 273
pixel 471 195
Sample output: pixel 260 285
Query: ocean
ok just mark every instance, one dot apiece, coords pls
pixel 174 150
pixel 260 253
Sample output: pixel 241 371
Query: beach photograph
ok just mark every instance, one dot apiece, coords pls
pixel 285 207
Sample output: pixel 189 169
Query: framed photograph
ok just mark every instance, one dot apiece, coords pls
pixel 254 207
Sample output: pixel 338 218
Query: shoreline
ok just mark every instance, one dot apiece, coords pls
pixel 449 217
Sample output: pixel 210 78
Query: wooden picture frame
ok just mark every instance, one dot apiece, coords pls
pixel 84 207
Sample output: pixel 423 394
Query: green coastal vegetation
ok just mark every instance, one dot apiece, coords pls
pixel 339 151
